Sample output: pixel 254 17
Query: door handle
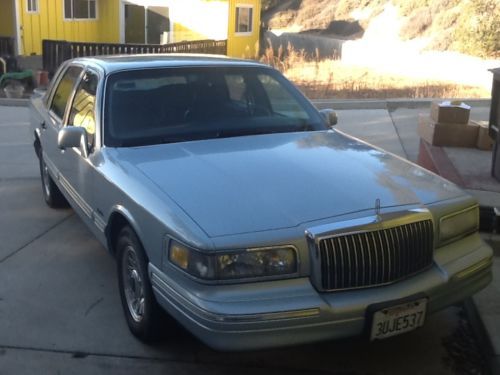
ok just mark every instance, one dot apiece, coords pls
pixel 43 125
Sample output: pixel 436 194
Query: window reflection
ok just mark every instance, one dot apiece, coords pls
pixel 83 109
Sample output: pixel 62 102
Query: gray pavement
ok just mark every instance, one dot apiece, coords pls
pixel 59 304
pixel 396 131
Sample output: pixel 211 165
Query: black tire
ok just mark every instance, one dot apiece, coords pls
pixel 142 313
pixel 51 193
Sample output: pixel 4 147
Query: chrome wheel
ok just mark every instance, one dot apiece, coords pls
pixel 142 312
pixel 133 284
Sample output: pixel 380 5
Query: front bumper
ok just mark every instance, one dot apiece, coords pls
pixel 291 312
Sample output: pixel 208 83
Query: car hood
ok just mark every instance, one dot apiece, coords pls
pixel 267 182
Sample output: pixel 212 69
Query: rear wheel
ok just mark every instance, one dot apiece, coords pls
pixel 141 310
pixel 51 193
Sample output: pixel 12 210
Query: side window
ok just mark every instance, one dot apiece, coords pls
pixel 63 90
pixel 83 107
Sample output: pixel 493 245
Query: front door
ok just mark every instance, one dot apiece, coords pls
pixel 77 169
pixel 55 116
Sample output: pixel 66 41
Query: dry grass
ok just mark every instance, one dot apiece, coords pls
pixel 417 24
pixel 335 79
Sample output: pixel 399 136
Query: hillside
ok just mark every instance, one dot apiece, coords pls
pixel 471 27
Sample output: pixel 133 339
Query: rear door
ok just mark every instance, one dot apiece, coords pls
pixel 58 104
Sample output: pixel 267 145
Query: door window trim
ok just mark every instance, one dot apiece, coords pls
pixel 60 122
pixel 96 105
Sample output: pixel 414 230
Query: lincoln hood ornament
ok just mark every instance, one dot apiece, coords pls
pixel 377 206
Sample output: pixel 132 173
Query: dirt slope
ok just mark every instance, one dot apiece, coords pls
pixel 471 26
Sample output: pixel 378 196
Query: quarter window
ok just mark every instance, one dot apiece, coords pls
pixel 244 19
pixel 83 108
pixel 63 90
pixel 32 6
pixel 80 9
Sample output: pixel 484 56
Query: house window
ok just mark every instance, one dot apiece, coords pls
pixel 80 9
pixel 32 6
pixel 244 19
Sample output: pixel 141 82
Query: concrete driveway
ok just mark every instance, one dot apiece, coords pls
pixel 60 311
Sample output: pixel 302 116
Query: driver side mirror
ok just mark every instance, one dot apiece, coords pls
pixel 330 116
pixel 73 136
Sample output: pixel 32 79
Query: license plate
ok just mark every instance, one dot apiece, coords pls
pixel 398 319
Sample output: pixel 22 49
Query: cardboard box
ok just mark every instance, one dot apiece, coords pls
pixel 450 135
pixel 484 141
pixel 450 112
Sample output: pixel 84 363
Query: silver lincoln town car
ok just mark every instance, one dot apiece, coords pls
pixel 230 203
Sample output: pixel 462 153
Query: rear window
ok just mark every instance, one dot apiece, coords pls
pixel 182 104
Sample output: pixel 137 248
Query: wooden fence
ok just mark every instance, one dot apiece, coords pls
pixel 6 45
pixel 54 52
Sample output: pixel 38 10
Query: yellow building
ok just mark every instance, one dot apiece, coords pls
pixel 132 21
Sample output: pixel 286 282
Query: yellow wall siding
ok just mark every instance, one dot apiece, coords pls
pixel 109 21
pixel 7 24
pixel 243 46
pixel 49 23
pixel 192 20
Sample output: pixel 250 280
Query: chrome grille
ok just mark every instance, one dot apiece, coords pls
pixel 378 257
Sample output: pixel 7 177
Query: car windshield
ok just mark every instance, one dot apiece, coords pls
pixel 153 106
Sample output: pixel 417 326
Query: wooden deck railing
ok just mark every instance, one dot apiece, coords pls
pixel 56 51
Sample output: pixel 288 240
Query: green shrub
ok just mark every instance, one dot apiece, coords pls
pixel 478 28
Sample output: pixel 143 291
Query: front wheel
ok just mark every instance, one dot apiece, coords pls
pixel 141 310
pixel 51 193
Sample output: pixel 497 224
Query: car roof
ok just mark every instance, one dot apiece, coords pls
pixel 112 63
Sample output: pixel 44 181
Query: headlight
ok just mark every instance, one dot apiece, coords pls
pixel 191 261
pixel 257 263
pixel 250 263
pixel 458 224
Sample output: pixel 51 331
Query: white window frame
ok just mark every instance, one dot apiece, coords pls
pixel 243 33
pixel 34 5
pixel 72 18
